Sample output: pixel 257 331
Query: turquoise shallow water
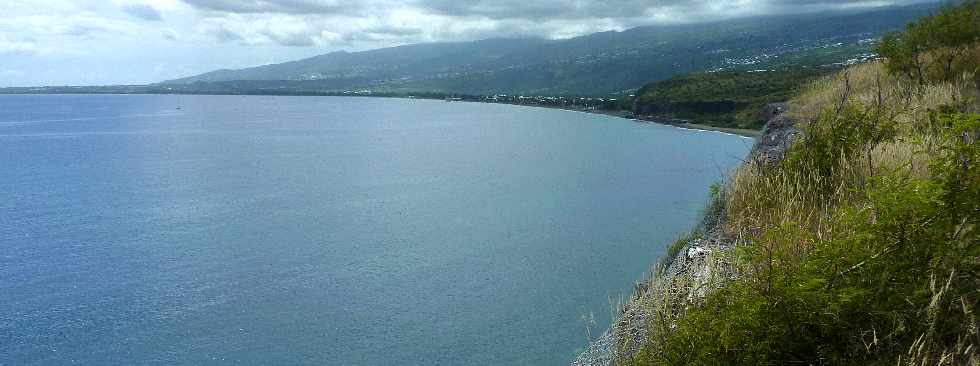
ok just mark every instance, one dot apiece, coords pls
pixel 306 230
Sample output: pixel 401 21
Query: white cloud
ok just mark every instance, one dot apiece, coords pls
pixel 75 24
pixel 12 47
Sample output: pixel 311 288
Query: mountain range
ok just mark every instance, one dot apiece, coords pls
pixel 595 64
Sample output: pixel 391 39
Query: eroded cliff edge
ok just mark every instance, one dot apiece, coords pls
pixel 697 268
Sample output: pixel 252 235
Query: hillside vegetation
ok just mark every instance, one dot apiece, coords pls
pixel 862 245
pixel 724 99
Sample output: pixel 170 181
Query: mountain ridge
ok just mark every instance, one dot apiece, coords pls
pixel 598 63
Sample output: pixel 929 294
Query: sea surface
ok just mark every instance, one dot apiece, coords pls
pixel 260 230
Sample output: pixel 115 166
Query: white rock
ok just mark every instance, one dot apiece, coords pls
pixel 696 252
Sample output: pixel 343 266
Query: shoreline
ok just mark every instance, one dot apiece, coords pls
pixel 651 119
pixel 612 113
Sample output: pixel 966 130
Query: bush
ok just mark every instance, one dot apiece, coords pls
pixel 938 47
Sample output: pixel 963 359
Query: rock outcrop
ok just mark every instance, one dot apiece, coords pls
pixel 777 136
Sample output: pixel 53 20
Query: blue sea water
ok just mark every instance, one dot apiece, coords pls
pixel 259 230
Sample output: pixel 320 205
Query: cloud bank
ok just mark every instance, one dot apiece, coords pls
pixel 46 41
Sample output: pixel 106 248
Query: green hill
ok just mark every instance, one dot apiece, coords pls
pixel 724 99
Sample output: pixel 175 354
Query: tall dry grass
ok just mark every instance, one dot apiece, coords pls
pixel 870 85
pixel 759 197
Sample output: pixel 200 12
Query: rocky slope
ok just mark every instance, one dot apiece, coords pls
pixel 696 269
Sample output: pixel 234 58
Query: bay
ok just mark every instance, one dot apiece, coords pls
pixel 141 229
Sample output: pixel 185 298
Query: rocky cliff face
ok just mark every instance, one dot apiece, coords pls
pixel 778 134
pixel 696 270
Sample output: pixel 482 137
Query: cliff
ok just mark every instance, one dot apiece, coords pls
pixel 694 270
pixel 849 236
pixel 852 234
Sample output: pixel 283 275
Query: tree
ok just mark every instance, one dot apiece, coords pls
pixel 902 55
pixel 944 39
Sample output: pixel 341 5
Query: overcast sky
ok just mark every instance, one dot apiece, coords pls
pixel 94 42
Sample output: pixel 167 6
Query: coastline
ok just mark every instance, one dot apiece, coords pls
pixel 612 113
pixel 650 119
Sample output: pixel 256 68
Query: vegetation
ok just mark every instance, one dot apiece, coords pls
pixel 936 47
pixel 862 246
pixel 724 99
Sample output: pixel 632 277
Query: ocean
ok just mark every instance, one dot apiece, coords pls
pixel 258 230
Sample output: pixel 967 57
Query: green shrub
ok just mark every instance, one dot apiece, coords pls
pixel 899 271
pixel 938 47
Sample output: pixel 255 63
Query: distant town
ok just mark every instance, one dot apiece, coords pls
pixel 585 103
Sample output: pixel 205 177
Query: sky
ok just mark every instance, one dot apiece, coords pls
pixel 102 42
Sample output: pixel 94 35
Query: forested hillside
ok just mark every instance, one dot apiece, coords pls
pixel 724 99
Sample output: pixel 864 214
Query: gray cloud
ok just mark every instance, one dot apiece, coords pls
pixel 624 9
pixel 378 23
pixel 542 9
pixel 394 30
pixel 304 23
pixel 530 9
pixel 291 39
pixel 143 11
pixel 276 6
pixel 170 35
pixel 222 34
